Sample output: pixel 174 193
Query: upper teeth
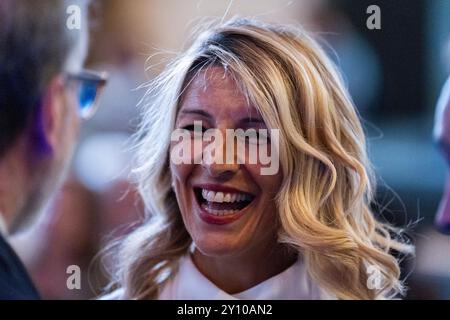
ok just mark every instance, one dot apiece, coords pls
pixel 212 196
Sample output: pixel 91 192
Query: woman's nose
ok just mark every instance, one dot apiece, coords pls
pixel 222 161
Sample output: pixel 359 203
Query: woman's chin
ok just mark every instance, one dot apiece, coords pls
pixel 217 247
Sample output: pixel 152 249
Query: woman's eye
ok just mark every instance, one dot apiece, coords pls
pixel 191 127
pixel 256 137
pixel 196 130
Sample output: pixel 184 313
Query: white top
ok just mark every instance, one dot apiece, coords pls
pixel 3 229
pixel 291 284
pixel 189 284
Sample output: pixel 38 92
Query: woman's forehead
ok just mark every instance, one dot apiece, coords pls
pixel 217 90
pixel 215 79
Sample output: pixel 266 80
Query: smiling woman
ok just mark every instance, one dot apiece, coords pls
pixel 221 230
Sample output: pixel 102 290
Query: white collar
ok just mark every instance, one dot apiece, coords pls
pixel 292 283
pixel 3 228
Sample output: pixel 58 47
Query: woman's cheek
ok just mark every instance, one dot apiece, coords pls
pixel 182 156
pixel 269 184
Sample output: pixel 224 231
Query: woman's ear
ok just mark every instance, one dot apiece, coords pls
pixel 50 119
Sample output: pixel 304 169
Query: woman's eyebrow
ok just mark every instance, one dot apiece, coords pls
pixel 196 111
pixel 252 119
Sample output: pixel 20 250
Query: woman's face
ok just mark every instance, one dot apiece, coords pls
pixel 227 208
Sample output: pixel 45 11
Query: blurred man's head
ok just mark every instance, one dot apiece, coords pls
pixel 42 93
pixel 442 137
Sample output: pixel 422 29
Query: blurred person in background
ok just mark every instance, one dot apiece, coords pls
pixel 65 234
pixel 96 202
pixel 44 92
pixel 226 231
pixel 72 230
pixel 442 137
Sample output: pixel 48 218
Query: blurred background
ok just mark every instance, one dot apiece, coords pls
pixel 394 76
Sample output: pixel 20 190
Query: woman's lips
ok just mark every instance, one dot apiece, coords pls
pixel 220 188
pixel 221 205
pixel 219 220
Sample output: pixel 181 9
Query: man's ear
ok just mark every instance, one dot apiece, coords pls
pixel 52 111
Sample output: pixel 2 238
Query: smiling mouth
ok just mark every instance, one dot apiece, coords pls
pixel 219 203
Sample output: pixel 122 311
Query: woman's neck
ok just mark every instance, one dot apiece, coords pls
pixel 239 272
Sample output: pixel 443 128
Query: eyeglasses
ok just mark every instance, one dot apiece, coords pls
pixel 90 86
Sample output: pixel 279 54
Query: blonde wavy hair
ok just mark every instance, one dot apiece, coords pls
pixel 324 200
